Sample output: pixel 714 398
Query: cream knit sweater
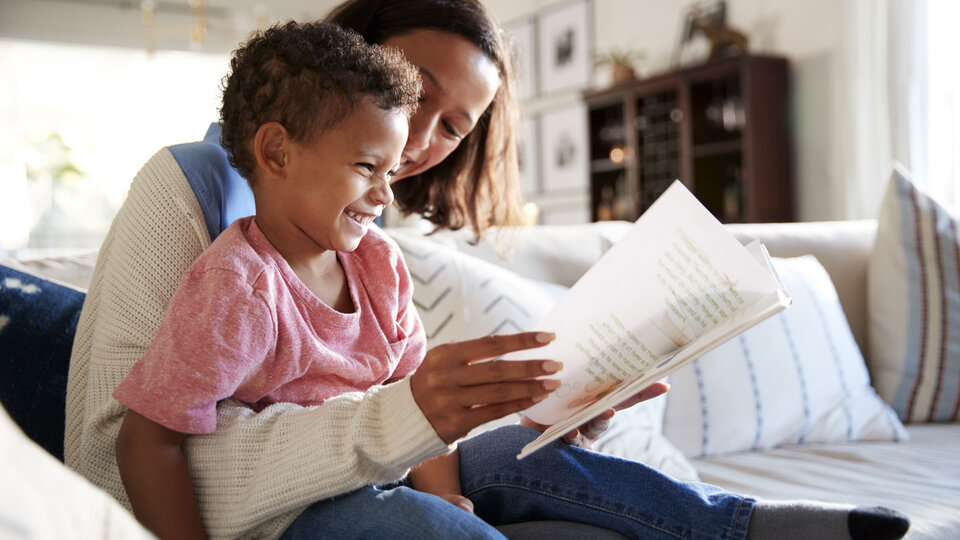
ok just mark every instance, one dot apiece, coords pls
pixel 257 472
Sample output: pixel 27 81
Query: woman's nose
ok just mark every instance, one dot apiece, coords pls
pixel 421 130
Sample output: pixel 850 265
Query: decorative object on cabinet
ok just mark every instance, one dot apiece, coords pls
pixel 564 43
pixel 622 63
pixel 708 20
pixel 720 127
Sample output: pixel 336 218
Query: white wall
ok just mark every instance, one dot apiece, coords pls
pixel 812 34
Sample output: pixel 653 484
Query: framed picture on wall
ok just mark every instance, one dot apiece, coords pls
pixel 524 47
pixel 527 151
pixel 564 148
pixel 564 47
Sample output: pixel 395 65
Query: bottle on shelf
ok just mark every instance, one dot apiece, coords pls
pixel 605 204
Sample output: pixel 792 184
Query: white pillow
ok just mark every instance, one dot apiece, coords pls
pixel 914 299
pixel 42 498
pixel 795 378
pixel 636 434
pixel 462 297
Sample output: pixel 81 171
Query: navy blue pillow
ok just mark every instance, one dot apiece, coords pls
pixel 38 319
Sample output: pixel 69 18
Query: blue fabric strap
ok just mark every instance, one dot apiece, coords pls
pixel 224 195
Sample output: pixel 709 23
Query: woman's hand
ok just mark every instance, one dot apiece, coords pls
pixel 457 391
pixel 590 431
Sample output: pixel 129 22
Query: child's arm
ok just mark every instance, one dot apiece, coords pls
pixel 441 477
pixel 155 475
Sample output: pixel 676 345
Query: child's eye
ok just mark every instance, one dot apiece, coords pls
pixel 368 166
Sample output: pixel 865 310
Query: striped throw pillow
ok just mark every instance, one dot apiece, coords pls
pixel 914 301
pixel 795 378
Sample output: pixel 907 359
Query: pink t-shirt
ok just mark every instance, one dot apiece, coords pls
pixel 243 325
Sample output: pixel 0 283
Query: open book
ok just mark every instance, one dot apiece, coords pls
pixel 674 287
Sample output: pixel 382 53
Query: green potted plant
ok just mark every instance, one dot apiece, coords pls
pixel 621 62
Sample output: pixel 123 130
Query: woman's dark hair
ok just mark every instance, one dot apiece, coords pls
pixel 477 184
pixel 307 77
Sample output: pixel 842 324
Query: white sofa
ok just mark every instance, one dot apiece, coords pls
pixel 920 476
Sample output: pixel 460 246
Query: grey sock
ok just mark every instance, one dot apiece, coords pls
pixel 801 520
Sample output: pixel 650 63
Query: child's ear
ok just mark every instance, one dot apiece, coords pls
pixel 270 147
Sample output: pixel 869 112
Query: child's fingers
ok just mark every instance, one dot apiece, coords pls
pixel 593 428
pixel 650 392
pixel 460 501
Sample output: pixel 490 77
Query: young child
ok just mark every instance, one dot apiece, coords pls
pixel 303 301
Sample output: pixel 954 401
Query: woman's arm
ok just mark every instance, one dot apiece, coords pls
pixel 156 477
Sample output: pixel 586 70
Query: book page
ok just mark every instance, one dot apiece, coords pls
pixel 674 277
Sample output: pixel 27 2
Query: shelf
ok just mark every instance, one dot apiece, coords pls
pixel 733 146
pixel 606 165
pixel 721 127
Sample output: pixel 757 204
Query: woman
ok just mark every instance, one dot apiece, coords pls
pixel 459 169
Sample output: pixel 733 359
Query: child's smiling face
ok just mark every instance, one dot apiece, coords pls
pixel 337 183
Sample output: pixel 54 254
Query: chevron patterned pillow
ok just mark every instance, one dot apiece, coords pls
pixel 461 297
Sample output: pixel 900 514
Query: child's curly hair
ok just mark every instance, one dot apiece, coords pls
pixel 307 77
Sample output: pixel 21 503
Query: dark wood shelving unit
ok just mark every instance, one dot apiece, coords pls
pixel 720 127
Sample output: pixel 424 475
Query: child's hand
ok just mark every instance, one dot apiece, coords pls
pixel 459 501
pixel 590 431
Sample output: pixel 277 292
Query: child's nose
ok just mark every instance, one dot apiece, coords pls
pixel 381 192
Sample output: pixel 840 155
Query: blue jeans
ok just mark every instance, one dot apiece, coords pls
pixel 559 482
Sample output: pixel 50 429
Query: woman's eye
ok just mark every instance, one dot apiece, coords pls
pixel 451 131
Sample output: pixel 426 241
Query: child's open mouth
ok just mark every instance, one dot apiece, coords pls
pixel 362 219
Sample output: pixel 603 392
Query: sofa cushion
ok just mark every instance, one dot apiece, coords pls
pixel 914 299
pixel 38 319
pixel 460 296
pixel 74 268
pixel 553 253
pixel 919 477
pixel 795 378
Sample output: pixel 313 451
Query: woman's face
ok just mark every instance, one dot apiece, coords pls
pixel 459 82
